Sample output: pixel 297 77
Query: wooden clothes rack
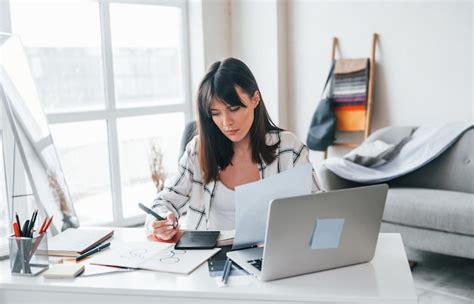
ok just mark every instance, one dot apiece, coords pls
pixel 370 94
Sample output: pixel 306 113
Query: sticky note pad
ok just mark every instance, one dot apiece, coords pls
pixel 327 233
pixel 63 271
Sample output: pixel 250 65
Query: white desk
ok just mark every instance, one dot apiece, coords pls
pixel 386 279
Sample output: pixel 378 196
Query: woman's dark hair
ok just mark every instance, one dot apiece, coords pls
pixel 215 150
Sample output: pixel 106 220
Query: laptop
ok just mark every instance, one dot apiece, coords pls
pixel 316 232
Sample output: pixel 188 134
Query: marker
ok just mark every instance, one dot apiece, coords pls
pixel 91 252
pixel 24 230
pixel 18 222
pixel 32 223
pixel 226 271
pixel 16 230
pixel 154 214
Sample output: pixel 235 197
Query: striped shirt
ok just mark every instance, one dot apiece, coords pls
pixel 186 195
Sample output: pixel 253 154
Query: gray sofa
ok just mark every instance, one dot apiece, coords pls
pixel 432 207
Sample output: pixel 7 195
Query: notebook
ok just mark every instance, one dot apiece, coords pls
pixel 64 271
pixel 152 256
pixel 74 242
pixel 226 237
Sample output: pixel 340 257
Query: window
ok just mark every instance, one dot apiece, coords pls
pixel 4 216
pixel 136 154
pixel 114 82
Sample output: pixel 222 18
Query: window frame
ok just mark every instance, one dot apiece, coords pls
pixel 110 114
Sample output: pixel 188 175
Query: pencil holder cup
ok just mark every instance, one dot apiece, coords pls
pixel 28 256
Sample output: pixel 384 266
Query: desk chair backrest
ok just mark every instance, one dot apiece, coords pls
pixel 188 134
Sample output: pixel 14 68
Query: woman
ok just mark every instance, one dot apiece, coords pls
pixel 237 143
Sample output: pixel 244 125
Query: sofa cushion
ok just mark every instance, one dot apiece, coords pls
pixel 441 210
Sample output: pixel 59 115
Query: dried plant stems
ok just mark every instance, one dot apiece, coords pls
pixel 58 192
pixel 69 220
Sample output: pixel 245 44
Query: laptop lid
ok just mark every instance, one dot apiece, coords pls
pixel 322 231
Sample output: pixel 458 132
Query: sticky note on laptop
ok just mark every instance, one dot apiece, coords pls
pixel 327 233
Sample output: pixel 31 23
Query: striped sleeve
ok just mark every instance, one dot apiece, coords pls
pixel 301 156
pixel 176 193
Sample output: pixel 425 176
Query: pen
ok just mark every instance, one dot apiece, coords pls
pixel 18 222
pixel 91 252
pixel 24 230
pixel 46 225
pixel 32 222
pixel 154 214
pixel 226 271
pixel 43 224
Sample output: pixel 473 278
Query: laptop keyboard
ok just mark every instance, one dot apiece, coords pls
pixel 257 263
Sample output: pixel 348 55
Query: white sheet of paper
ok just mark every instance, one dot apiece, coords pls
pixel 252 201
pixel 152 256
pixel 93 270
pixel 178 260
pixel 129 254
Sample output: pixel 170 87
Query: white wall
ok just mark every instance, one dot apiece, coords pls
pixel 424 57
pixel 209 35
pixel 256 35
pixel 216 27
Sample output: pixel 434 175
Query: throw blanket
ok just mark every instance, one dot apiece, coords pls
pixel 426 143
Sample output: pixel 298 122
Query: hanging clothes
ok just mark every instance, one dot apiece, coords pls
pixel 349 91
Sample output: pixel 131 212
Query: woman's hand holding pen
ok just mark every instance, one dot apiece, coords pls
pixel 166 229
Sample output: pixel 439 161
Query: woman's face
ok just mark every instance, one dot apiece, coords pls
pixel 235 121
